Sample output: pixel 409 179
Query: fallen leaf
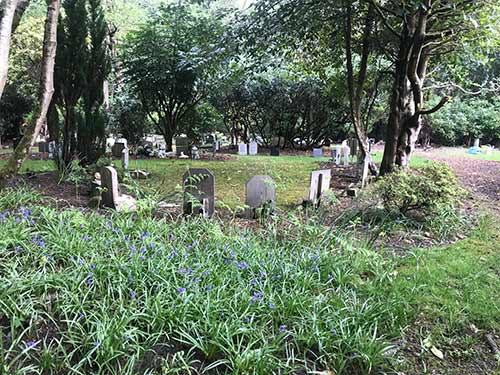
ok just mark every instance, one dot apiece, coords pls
pixel 438 353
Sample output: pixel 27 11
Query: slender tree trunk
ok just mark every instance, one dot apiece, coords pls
pixel 21 7
pixel 8 9
pixel 47 90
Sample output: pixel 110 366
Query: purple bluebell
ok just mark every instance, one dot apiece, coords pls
pixel 283 328
pixel 181 290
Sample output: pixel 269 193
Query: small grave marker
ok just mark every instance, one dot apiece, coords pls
pixel 253 148
pixel 317 152
pixel 117 149
pixel 346 156
pixel 275 151
pixel 242 149
pixel 199 192
pixel 338 155
pixel 125 158
pixel 260 193
pixel 320 183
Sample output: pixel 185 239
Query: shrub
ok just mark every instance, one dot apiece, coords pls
pixel 430 189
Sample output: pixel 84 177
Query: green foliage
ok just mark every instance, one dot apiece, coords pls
pixel 169 61
pixel 425 190
pixel 464 119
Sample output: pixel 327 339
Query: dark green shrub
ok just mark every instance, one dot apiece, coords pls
pixel 428 189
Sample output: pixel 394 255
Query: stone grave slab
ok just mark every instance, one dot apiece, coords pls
pixel 111 197
pixel 199 192
pixel 320 183
pixel 253 148
pixel 260 191
pixel 242 149
pixel 117 149
pixel 317 152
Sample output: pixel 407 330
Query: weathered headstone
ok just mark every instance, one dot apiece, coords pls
pixel 320 183
pixel 260 193
pixel 199 192
pixel 125 158
pixel 253 148
pixel 195 154
pixel 275 151
pixel 181 145
pixel 109 183
pixel 317 152
pixel 111 197
pixel 476 142
pixel 346 156
pixel 242 149
pixel 117 149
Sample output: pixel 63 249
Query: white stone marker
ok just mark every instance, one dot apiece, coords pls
pixel 253 148
pixel 346 156
pixel 242 149
pixel 338 154
pixel 320 183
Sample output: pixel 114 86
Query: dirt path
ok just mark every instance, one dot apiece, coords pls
pixel 480 177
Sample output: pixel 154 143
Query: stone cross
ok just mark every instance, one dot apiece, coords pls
pixel 242 149
pixel 253 148
pixel 260 192
pixel 317 152
pixel 199 192
pixel 320 183
pixel 125 158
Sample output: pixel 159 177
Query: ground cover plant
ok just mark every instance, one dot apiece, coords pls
pixel 126 294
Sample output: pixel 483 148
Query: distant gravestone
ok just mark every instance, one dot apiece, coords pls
pixel 52 150
pixel 253 148
pixel 320 183
pixel 195 153
pixel 242 149
pixel 117 149
pixel 43 147
pixel 275 151
pixel 317 152
pixel 338 155
pixel 125 157
pixel 199 192
pixel 260 193
pixel 181 146
pixel 346 156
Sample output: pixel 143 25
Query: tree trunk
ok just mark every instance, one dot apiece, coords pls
pixel 21 7
pixel 47 90
pixel 9 9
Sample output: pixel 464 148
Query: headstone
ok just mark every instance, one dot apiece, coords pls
pixel 181 145
pixel 125 158
pixel 43 147
pixel 242 149
pixel 275 151
pixel 476 142
pixel 109 183
pixel 320 183
pixel 338 155
pixel 199 192
pixel 253 148
pixel 117 149
pixel 317 152
pixel 260 192
pixel 111 197
pixel 346 156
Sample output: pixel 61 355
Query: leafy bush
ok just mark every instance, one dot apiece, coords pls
pixel 428 189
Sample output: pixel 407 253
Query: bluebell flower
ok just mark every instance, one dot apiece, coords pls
pixel 31 344
pixel 283 328
pixel 132 294
pixel 181 290
pixel 271 305
pixel 333 331
pixel 90 281
pixel 97 343
pixel 253 282
pixel 41 243
pixel 85 238
pixel 242 265
pixel 17 249
pixel 92 266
